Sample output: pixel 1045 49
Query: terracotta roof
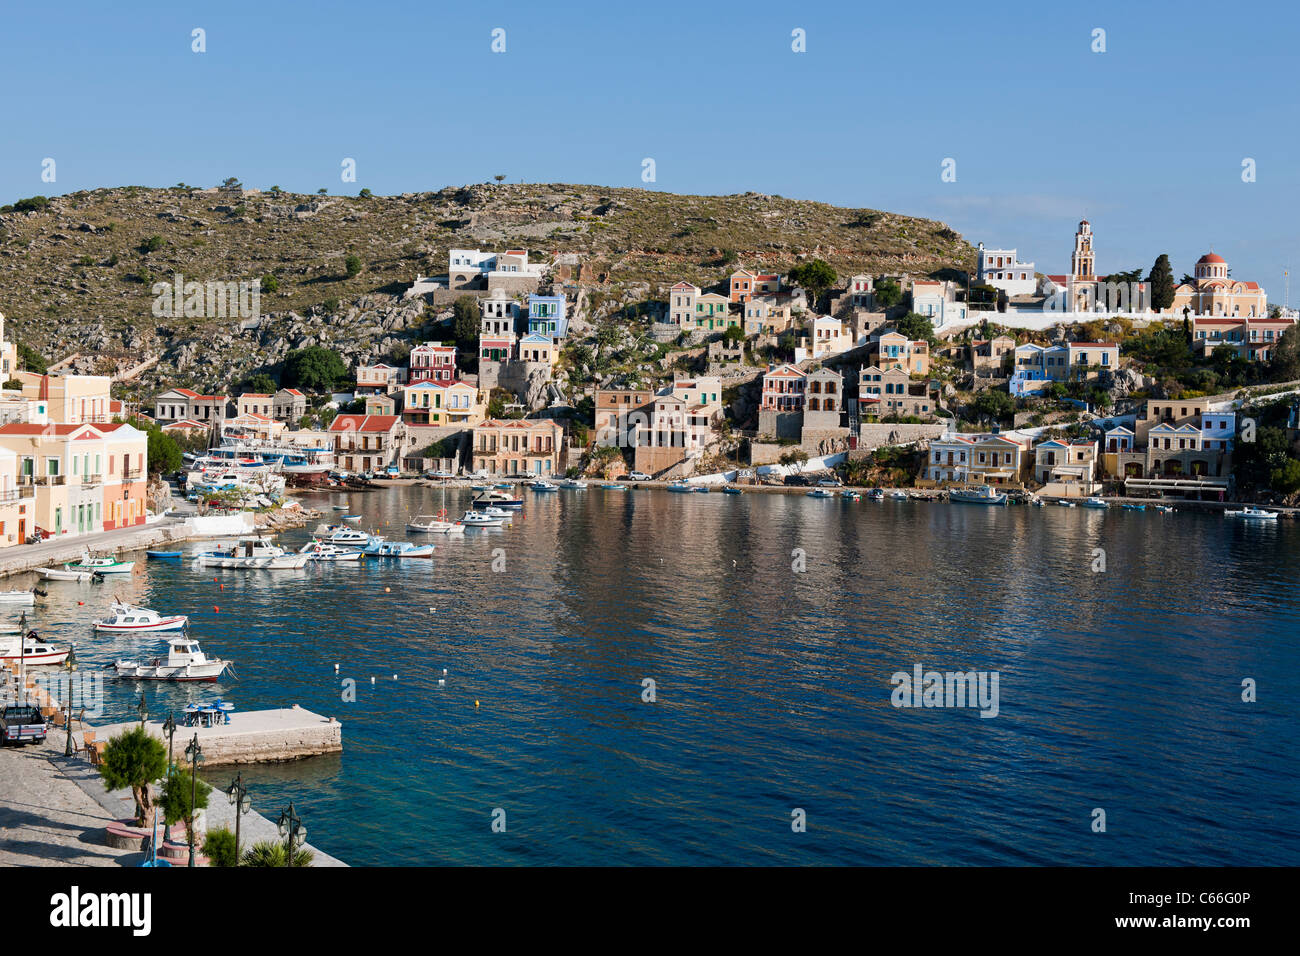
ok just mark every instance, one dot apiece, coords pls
pixel 1211 257
pixel 187 424
pixel 1096 345
pixel 363 423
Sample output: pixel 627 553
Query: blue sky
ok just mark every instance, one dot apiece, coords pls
pixel 1146 140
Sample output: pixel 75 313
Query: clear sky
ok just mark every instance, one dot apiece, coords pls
pixel 1146 140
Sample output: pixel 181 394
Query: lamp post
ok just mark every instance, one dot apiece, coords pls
pixel 195 754
pixel 294 833
pixel 142 709
pixel 238 794
pixel 71 664
pixel 169 728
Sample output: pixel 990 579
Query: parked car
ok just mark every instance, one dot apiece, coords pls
pixel 829 483
pixel 638 476
pixel 21 724
pixel 796 481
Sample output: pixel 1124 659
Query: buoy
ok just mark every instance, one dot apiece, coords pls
pixel 215 609
pixel 441 682
pixel 394 677
pixel 214 580
pixel 336 668
pixel 476 705
pixel 222 586
pixel 388 590
pixel 80 603
pixel 444 672
pixel 372 680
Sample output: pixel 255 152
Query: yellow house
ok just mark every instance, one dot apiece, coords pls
pixel 442 403
pixel 536 347
pixel 65 466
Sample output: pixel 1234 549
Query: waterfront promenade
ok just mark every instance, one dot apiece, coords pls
pixel 26 557
pixel 53 811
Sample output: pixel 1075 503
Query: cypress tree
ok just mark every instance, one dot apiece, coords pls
pixel 1162 284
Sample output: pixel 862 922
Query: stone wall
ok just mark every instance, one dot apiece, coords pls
pixel 766 453
pixel 780 424
pixel 874 435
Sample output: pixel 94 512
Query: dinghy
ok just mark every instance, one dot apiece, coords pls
pixel 64 574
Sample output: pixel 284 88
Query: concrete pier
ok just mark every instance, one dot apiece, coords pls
pixel 255 736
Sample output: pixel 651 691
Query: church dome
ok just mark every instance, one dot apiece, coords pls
pixel 1211 257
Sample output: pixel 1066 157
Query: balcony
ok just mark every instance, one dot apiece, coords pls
pixel 17 494
pixel 132 474
pixel 92 479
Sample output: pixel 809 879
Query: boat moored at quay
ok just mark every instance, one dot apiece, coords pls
pixel 253 554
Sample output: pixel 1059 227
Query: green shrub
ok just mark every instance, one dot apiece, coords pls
pixel 266 853
pixel 219 848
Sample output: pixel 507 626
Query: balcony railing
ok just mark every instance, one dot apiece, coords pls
pixel 17 494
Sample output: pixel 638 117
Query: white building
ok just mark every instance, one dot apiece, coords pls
pixel 1001 269
pixel 937 302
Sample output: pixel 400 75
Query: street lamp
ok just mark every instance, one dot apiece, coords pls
pixel 143 709
pixel 71 664
pixel 238 794
pixel 169 728
pixel 195 755
pixel 294 833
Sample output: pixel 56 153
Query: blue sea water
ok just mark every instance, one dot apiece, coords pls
pixel 1119 690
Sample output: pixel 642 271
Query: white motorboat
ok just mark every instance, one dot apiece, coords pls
pixel 338 534
pixel 26 598
pixel 435 524
pixel 979 495
pixel 575 483
pixel 1251 513
pixel 320 551
pixel 34 650
pixel 127 619
pixel 104 565
pixel 898 495
pixel 1101 504
pixel 398 549
pixel 481 519
pixel 541 484
pixel 66 574
pixel 253 554
pixel 184 661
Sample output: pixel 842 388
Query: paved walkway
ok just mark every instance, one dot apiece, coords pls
pixel 49 553
pixel 46 819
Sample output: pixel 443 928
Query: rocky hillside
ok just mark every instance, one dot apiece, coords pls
pixel 76 273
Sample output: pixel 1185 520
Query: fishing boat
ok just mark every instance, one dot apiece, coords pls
pixel 575 483
pixel 104 565
pixel 30 649
pixel 1134 507
pixel 184 661
pixel 701 489
pixel 253 554
pixel 480 487
pixel 164 555
pixel 1099 503
pixel 337 534
pixel 1251 513
pixel 541 484
pixel 25 598
pixel 480 519
pixel 876 494
pixel 435 524
pixel 340 507
pixel 1165 509
pixel 1065 504
pixel 611 486
pixel 351 519
pixel 66 574
pixel 503 485
pixel 505 516
pixel 978 495
pixel 898 495
pixel 320 551
pixel 129 619
pixel 851 495
pixel 495 499
pixel 680 486
pixel 820 493
pixel 398 549
pixel 732 490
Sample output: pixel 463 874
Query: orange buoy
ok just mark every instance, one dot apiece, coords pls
pixel 388 590
pixel 215 609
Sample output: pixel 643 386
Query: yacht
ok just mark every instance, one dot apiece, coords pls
pixel 497 499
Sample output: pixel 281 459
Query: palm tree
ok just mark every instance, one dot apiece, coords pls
pixel 266 853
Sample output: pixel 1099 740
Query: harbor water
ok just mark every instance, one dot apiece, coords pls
pixel 640 677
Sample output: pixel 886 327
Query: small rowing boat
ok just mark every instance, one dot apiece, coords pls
pixel 164 555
